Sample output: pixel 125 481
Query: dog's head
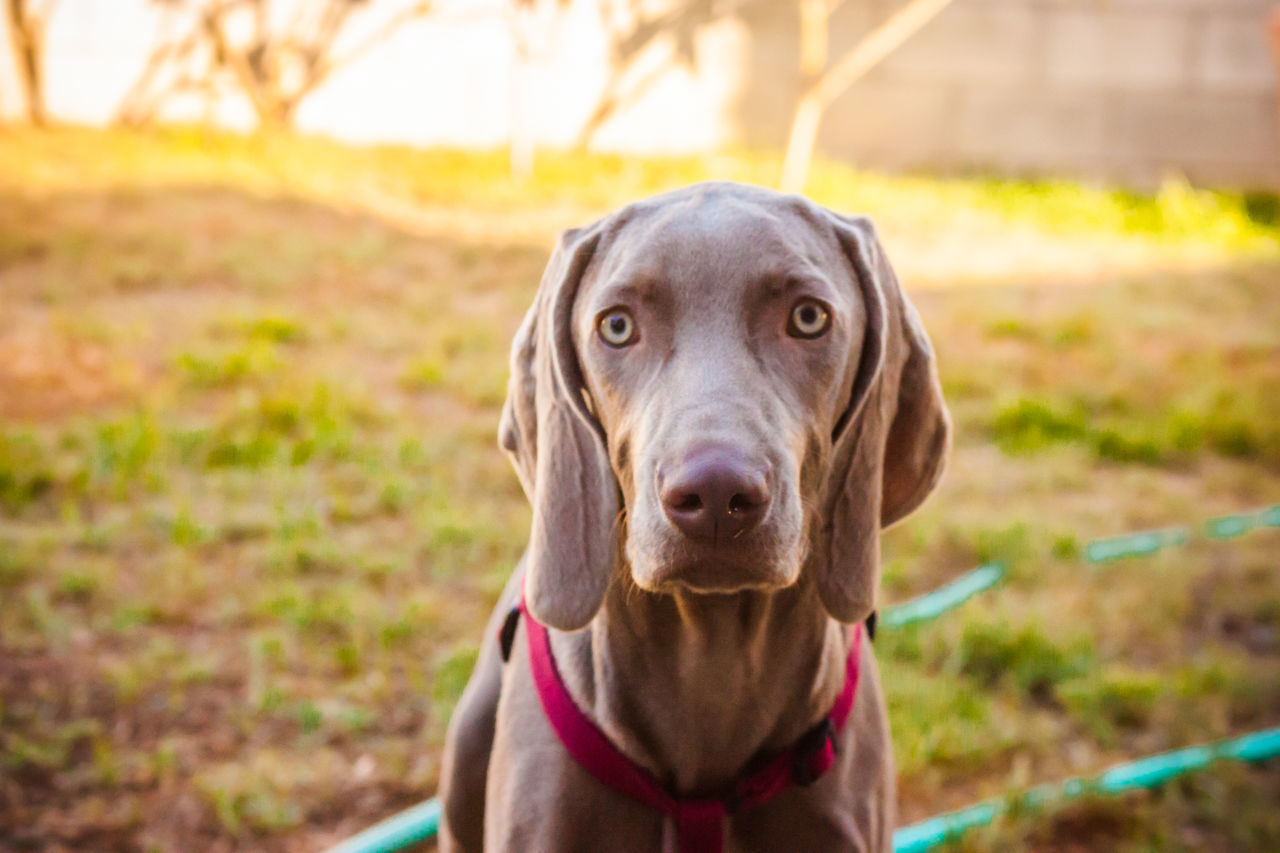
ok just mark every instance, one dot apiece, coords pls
pixel 730 382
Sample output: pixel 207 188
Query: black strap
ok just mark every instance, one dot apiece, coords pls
pixel 507 634
pixel 810 743
pixel 871 626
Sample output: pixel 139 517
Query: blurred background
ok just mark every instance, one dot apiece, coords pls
pixel 261 261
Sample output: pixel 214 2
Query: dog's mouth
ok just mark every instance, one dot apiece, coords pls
pixel 759 561
pixel 715 579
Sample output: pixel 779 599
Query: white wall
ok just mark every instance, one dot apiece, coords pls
pixel 1124 90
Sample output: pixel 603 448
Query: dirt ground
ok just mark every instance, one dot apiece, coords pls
pixel 253 515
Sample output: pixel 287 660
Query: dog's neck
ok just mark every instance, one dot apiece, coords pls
pixel 695 686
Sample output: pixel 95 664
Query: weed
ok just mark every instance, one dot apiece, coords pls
pixel 120 454
pixel 274 328
pixel 1114 698
pixel 940 722
pixel 25 472
pixel 1024 656
pixel 1028 425
pixel 259 796
pixel 451 675
pixel 424 374
pixel 77 586
pixel 310 717
pixel 254 362
pixel 14 568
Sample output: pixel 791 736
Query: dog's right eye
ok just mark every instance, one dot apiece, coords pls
pixel 617 327
pixel 809 319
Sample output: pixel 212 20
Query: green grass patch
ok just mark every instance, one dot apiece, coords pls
pixel 451 675
pixel 1232 424
pixel 1114 698
pixel 1023 656
pixel 942 722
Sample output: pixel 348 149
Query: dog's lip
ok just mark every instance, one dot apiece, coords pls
pixel 704 579
pixel 681 584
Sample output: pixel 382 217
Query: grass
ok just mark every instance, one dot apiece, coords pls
pixel 253 517
pixel 1178 213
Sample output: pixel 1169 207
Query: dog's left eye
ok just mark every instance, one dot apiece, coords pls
pixel 809 319
pixel 617 327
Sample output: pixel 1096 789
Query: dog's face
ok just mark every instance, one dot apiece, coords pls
pixel 732 381
pixel 715 340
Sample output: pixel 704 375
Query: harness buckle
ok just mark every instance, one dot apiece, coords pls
pixel 811 744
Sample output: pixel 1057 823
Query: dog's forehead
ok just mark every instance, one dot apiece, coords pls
pixel 717 238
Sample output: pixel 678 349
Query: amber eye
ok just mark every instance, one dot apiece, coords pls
pixel 617 327
pixel 809 319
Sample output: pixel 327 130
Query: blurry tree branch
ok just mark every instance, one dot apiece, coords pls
pixel 276 60
pixel 823 83
pixel 633 29
pixel 1273 36
pixel 535 32
pixel 27 21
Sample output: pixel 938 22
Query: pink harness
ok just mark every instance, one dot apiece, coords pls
pixel 698 820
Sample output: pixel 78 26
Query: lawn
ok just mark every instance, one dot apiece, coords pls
pixel 253 515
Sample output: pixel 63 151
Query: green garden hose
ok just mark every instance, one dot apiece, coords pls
pixel 944 598
pixel 1150 541
pixel 1143 773
pixel 421 822
pixel 396 832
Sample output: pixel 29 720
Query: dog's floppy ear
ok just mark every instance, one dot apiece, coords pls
pixel 890 443
pixel 558 448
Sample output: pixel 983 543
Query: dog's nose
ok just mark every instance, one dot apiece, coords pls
pixel 714 494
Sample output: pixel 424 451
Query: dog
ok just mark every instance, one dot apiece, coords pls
pixel 718 399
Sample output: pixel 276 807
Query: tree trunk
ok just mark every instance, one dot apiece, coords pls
pixel 823 87
pixel 1273 35
pixel 804 124
pixel 800 143
pixel 520 137
pixel 25 37
pixel 274 115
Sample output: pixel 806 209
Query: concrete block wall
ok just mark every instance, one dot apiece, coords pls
pixel 1119 90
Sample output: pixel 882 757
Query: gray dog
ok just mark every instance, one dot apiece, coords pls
pixel 718 399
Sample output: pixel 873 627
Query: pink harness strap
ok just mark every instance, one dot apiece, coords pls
pixel 698 821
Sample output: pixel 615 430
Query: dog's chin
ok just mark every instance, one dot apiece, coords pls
pixel 716 574
pixel 663 560
pixel 709 582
